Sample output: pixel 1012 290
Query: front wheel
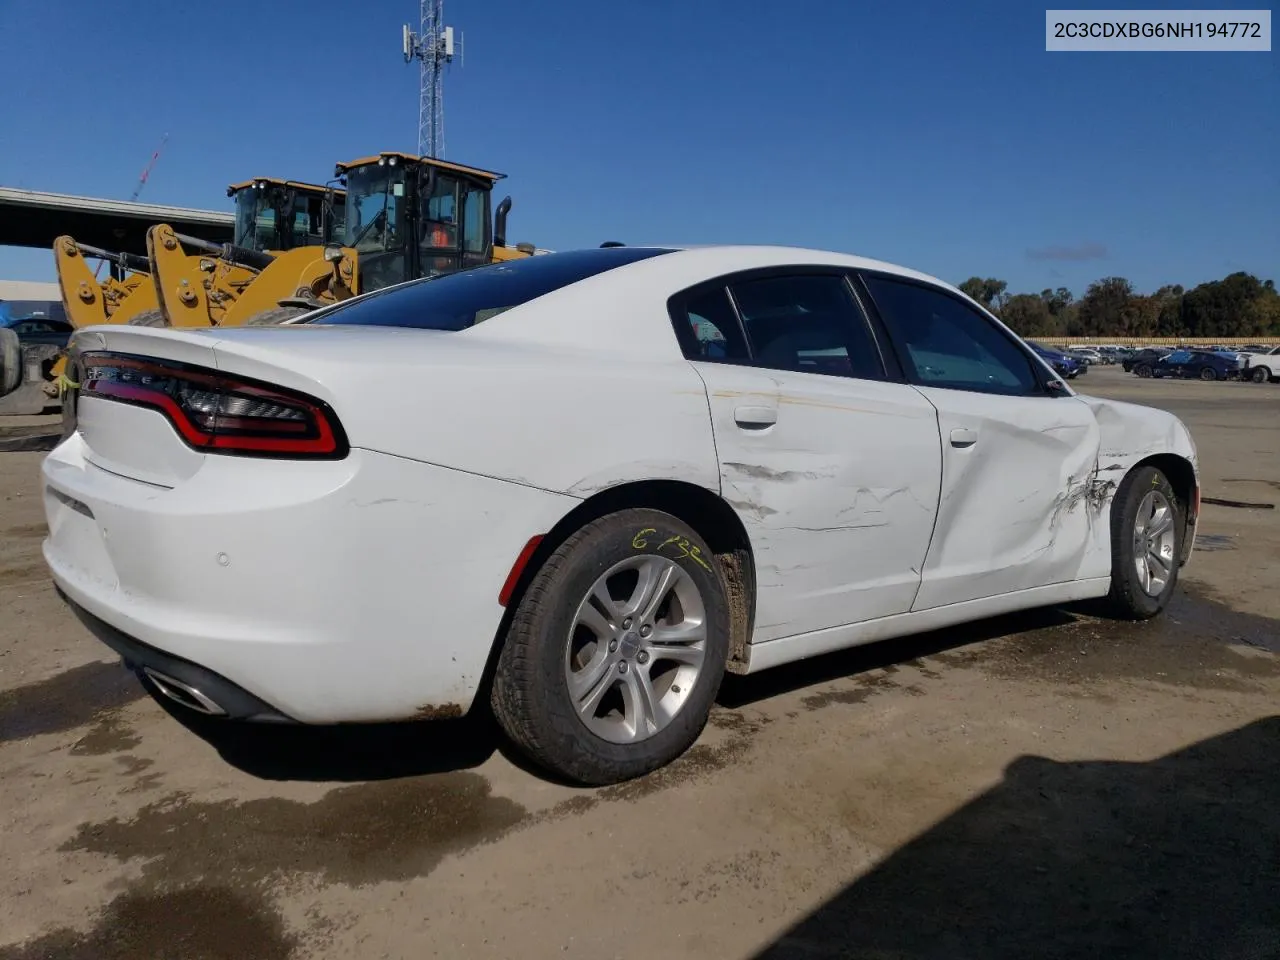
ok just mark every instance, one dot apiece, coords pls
pixel 1146 545
pixel 1208 373
pixel 1260 375
pixel 1143 371
pixel 616 650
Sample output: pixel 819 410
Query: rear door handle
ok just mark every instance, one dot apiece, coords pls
pixel 755 418
pixel 962 438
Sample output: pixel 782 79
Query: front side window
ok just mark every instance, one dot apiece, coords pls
pixel 943 342
pixel 807 323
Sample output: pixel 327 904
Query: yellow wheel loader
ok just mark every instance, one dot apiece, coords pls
pixel 127 295
pixel 405 217
pixel 117 299
pixel 280 227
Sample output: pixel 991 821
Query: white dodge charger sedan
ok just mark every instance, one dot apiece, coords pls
pixel 581 486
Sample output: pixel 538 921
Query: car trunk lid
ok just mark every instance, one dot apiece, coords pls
pixel 131 441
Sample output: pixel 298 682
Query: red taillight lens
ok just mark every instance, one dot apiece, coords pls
pixel 216 412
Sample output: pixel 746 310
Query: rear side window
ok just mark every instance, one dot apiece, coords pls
pixel 809 324
pixel 712 331
pixel 455 301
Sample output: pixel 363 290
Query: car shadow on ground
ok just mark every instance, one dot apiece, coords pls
pixel 382 751
pixel 1178 857
pixel 344 753
pixel 737 691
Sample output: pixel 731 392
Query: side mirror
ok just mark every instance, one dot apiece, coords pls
pixel 1057 388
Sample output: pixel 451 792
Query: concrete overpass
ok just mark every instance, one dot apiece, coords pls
pixel 30 218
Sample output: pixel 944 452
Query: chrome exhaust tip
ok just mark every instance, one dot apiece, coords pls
pixel 184 693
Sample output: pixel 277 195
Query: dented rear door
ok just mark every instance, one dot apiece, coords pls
pixel 833 469
pixel 837 495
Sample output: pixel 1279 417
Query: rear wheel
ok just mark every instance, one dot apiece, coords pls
pixel 1146 545
pixel 616 650
pixel 276 315
pixel 149 318
pixel 1208 373
pixel 1260 375
pixel 10 361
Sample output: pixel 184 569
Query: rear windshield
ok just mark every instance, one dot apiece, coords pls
pixel 455 301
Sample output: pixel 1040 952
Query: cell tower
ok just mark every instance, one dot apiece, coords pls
pixel 433 47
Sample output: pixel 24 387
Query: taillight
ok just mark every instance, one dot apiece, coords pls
pixel 217 412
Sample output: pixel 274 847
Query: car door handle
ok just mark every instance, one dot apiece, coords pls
pixel 963 438
pixel 755 418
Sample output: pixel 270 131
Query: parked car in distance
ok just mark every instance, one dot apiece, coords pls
pixel 39 329
pixel 1261 366
pixel 1063 364
pixel 1201 364
pixel 1141 361
pixel 1088 355
pixel 478 515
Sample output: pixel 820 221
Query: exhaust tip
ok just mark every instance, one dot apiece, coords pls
pixel 184 693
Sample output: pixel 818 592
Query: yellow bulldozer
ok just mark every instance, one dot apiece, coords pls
pixel 300 246
pixel 280 227
pixel 405 217
pixel 126 293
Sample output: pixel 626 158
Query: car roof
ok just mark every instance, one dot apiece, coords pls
pixel 633 293
pixel 784 255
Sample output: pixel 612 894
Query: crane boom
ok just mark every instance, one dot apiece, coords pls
pixel 142 182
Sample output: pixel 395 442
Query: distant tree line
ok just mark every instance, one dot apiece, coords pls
pixel 1237 306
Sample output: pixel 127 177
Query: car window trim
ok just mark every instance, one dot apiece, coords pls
pixel 1039 369
pixel 677 310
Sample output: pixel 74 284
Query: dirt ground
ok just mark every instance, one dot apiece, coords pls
pixel 1040 785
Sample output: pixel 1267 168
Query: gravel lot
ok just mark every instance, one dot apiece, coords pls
pixel 1046 784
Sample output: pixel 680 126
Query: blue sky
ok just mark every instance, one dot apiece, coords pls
pixel 941 135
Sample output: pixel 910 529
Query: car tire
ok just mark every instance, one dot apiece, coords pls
pixel 274 316
pixel 1143 371
pixel 562 651
pixel 149 318
pixel 1208 373
pixel 10 361
pixel 1260 375
pixel 1144 499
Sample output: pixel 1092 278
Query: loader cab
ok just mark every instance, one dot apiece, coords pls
pixel 409 217
pixel 283 214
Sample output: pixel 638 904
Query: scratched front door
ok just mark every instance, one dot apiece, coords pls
pixel 1018 457
pixel 1016 511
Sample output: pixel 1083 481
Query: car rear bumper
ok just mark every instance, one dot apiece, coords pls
pixel 356 590
pixel 190 684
